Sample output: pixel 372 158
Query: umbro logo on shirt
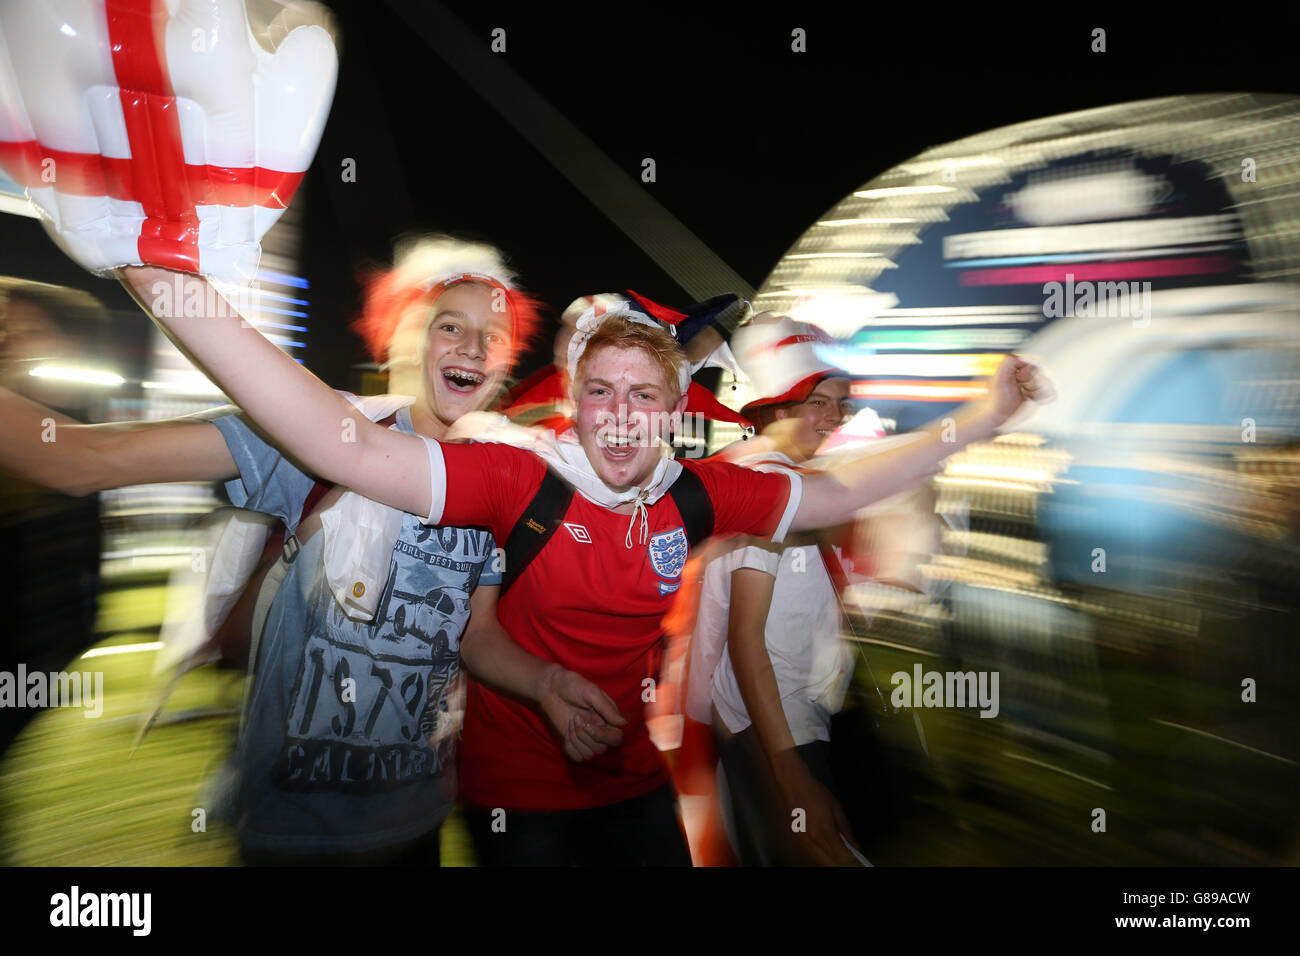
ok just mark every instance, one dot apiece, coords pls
pixel 579 532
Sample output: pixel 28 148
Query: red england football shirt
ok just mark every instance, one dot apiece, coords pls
pixel 592 605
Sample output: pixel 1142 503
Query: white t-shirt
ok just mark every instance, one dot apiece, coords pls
pixel 810 660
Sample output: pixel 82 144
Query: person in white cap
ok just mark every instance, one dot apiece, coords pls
pixel 346 755
pixel 768 667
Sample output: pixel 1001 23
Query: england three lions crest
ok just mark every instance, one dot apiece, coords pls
pixel 668 553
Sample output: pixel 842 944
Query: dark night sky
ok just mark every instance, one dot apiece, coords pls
pixel 752 142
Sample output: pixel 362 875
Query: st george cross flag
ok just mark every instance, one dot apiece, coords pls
pixel 159 132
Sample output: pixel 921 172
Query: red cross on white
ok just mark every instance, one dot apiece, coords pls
pixel 166 138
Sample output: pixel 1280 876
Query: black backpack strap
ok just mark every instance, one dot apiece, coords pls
pixel 694 505
pixel 535 526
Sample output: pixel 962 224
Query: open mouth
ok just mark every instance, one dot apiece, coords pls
pixel 618 447
pixel 462 379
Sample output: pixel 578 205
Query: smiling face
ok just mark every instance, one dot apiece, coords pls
pixel 624 411
pixel 466 351
pixel 811 422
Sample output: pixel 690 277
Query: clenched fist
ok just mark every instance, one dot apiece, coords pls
pixel 1016 382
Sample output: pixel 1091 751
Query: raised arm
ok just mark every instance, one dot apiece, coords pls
pixel 835 495
pixel 298 411
pixel 42 446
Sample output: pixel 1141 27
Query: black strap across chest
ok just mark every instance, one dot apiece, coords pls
pixel 535 526
pixel 547 509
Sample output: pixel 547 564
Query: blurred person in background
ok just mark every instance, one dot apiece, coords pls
pixel 49 541
pixel 347 751
pixel 774 610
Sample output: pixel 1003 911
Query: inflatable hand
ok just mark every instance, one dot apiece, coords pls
pixel 153 137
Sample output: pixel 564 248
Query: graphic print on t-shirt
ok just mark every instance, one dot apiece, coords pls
pixel 369 709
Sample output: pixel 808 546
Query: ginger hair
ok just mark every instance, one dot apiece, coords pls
pixel 621 333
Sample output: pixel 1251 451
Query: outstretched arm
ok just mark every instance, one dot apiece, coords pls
pixel 578 711
pixel 42 446
pixel 303 415
pixel 833 496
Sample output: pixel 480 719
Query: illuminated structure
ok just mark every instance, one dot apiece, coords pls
pixel 1126 559
pixel 936 263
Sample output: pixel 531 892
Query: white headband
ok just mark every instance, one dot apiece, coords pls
pixel 589 322
pixel 457 276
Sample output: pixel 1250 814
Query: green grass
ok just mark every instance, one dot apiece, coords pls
pixel 78 792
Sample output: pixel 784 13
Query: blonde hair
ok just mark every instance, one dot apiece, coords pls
pixel 619 332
